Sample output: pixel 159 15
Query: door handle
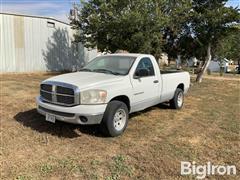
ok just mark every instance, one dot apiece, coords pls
pixel 156 81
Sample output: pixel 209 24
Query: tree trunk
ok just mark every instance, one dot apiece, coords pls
pixel 178 62
pixel 205 65
pixel 238 69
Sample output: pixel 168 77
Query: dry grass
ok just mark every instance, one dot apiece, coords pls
pixel 156 140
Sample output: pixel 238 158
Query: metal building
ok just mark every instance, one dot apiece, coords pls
pixel 33 43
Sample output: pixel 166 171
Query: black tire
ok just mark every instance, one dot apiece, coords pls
pixel 174 101
pixel 107 124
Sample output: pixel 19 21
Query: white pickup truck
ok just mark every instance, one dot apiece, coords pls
pixel 108 88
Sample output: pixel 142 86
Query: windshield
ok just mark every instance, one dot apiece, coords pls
pixel 117 65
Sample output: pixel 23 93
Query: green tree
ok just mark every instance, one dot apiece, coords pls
pixel 210 21
pixel 229 46
pixel 184 27
pixel 132 25
pixel 176 31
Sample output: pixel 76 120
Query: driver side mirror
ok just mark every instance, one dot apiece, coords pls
pixel 141 73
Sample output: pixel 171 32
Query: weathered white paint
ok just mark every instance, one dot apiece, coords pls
pixel 30 43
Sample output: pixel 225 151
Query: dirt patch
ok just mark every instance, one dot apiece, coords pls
pixel 156 140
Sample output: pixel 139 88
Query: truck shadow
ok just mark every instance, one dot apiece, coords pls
pixel 37 122
pixel 159 106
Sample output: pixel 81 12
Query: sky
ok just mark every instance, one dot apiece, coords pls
pixel 58 9
pixel 234 3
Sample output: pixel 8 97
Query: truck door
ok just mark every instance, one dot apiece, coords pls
pixel 145 86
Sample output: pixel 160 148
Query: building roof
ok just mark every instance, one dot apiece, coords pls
pixel 33 16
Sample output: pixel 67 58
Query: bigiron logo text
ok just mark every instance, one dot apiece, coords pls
pixel 208 169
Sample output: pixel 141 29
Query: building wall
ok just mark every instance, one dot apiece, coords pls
pixel 30 44
pixel 214 66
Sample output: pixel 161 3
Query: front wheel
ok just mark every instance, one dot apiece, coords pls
pixel 177 101
pixel 115 119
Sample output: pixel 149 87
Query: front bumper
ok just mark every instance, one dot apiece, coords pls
pixel 93 113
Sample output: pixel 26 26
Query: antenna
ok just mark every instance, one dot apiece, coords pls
pixel 73 12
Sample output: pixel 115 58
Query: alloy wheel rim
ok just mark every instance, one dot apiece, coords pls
pixel 180 99
pixel 119 119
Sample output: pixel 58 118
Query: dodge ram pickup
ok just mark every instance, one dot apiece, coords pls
pixel 108 89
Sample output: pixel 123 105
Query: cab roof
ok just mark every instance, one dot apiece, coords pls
pixel 127 54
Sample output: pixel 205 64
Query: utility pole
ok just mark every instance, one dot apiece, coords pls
pixel 74 13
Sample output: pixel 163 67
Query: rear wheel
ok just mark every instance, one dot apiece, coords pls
pixel 115 119
pixel 177 101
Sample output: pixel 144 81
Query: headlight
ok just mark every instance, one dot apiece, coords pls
pixel 93 96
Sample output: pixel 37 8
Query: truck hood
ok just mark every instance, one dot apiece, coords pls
pixel 86 79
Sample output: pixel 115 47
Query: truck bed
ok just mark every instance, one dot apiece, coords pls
pixel 170 71
pixel 170 80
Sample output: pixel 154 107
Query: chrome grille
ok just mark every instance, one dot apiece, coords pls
pixel 46 87
pixel 46 95
pixel 65 99
pixel 64 90
pixel 59 93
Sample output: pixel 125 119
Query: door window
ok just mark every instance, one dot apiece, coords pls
pixel 146 63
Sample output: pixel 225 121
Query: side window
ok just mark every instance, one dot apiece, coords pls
pixel 146 63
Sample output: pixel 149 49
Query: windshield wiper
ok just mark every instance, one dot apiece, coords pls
pixel 85 69
pixel 106 71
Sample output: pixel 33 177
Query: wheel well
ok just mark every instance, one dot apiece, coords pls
pixel 123 99
pixel 181 86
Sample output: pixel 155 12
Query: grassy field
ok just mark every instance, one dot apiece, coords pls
pixel 156 140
